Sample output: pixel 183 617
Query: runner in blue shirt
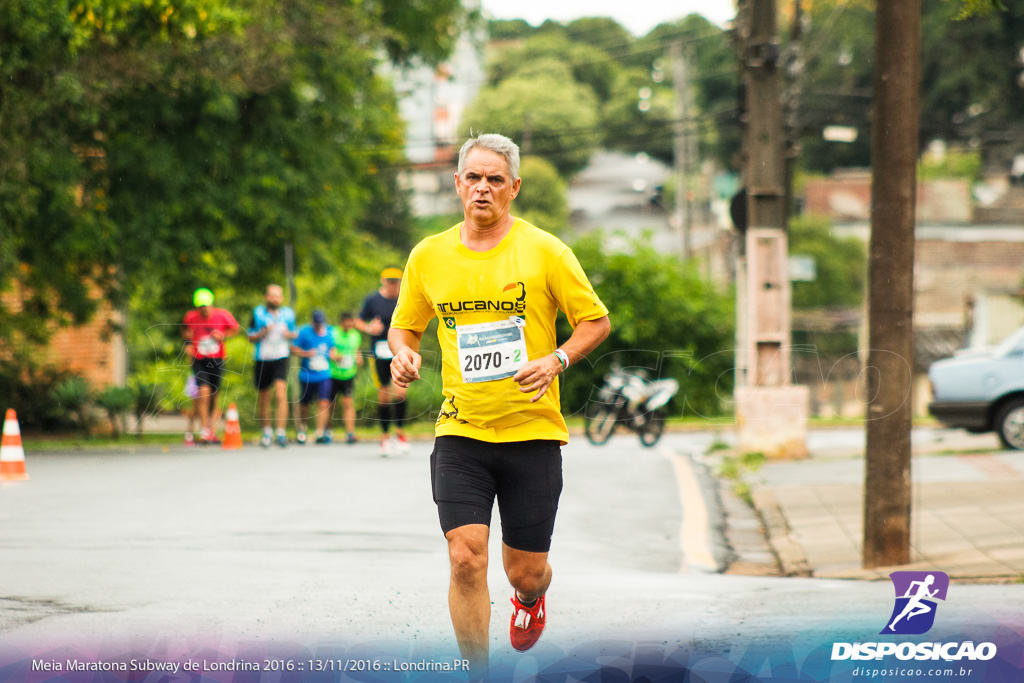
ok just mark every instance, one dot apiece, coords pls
pixel 272 328
pixel 316 347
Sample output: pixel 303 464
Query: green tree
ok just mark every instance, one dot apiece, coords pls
pixel 545 110
pixel 664 318
pixel 970 8
pixel 602 33
pixel 840 281
pixel 714 87
pixel 542 198
pixel 969 78
pixel 151 146
pixel 588 65
pixel 841 264
pixel 509 29
pixel 629 128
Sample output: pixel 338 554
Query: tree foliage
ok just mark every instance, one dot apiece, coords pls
pixel 545 110
pixel 970 92
pixel 153 146
pixel 600 56
pixel 542 198
pixel 665 318
pixel 840 263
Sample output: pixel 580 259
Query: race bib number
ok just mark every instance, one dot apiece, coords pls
pixel 208 346
pixel 490 351
pixel 274 345
pixel 273 351
pixel 382 350
pixel 319 364
pixel 346 362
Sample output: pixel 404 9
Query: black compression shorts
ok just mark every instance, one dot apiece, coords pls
pixel 525 477
pixel 383 366
pixel 208 372
pixel 342 387
pixel 269 371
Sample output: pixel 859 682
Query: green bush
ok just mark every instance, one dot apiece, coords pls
pixel 665 319
pixel 146 400
pixel 116 402
pixel 72 397
pixel 29 389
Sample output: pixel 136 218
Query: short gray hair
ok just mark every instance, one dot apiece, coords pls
pixel 493 142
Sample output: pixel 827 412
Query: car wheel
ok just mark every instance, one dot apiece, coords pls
pixel 1010 424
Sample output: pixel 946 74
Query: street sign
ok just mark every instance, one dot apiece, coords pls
pixel 802 268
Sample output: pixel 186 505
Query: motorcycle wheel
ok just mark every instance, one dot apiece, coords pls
pixel 651 430
pixel 599 424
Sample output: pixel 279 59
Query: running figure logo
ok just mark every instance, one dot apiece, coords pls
pixel 916 593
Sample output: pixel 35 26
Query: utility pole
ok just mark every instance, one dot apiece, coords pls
pixel 680 143
pixel 894 151
pixel 771 412
pixel 795 75
pixel 289 272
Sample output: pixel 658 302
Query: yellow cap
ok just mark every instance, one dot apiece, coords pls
pixel 391 273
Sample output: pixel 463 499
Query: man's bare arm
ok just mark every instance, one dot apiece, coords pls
pixel 538 374
pixel 405 366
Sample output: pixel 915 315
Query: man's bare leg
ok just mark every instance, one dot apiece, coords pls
pixel 281 389
pixel 348 411
pixel 263 407
pixel 323 417
pixel 203 405
pixel 529 573
pixel 468 597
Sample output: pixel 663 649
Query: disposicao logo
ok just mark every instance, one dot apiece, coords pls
pixel 913 613
pixel 916 595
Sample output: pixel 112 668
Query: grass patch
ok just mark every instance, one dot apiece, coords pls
pixel 718 445
pixel 734 467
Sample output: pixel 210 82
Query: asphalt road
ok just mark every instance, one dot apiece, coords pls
pixel 321 547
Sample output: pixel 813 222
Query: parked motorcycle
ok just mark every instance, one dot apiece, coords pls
pixel 632 401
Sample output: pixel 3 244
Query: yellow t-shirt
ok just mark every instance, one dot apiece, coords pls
pixel 488 303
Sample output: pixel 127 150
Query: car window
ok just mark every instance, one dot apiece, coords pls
pixel 1014 344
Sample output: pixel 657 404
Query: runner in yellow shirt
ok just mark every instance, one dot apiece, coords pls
pixel 495 283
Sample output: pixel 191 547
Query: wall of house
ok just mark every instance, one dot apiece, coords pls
pixel 93 350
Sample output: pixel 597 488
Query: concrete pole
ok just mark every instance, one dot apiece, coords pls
pixel 771 412
pixel 680 146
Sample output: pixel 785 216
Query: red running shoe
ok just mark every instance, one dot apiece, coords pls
pixel 527 623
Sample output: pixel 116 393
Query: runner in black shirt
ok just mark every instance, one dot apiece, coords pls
pixel 375 320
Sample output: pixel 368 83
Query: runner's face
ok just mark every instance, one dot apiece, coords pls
pixel 390 287
pixel 274 297
pixel 486 188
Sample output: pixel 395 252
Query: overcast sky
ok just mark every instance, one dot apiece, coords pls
pixel 638 16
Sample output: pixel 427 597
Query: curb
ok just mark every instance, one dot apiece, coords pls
pixel 702 530
pixel 792 560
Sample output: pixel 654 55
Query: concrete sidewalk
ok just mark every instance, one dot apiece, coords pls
pixel 967 515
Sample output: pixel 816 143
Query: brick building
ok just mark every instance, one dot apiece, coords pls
pixel 95 350
pixel 968 267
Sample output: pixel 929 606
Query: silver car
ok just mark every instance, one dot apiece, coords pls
pixel 982 390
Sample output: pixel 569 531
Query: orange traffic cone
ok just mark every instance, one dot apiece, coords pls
pixel 232 431
pixel 12 455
